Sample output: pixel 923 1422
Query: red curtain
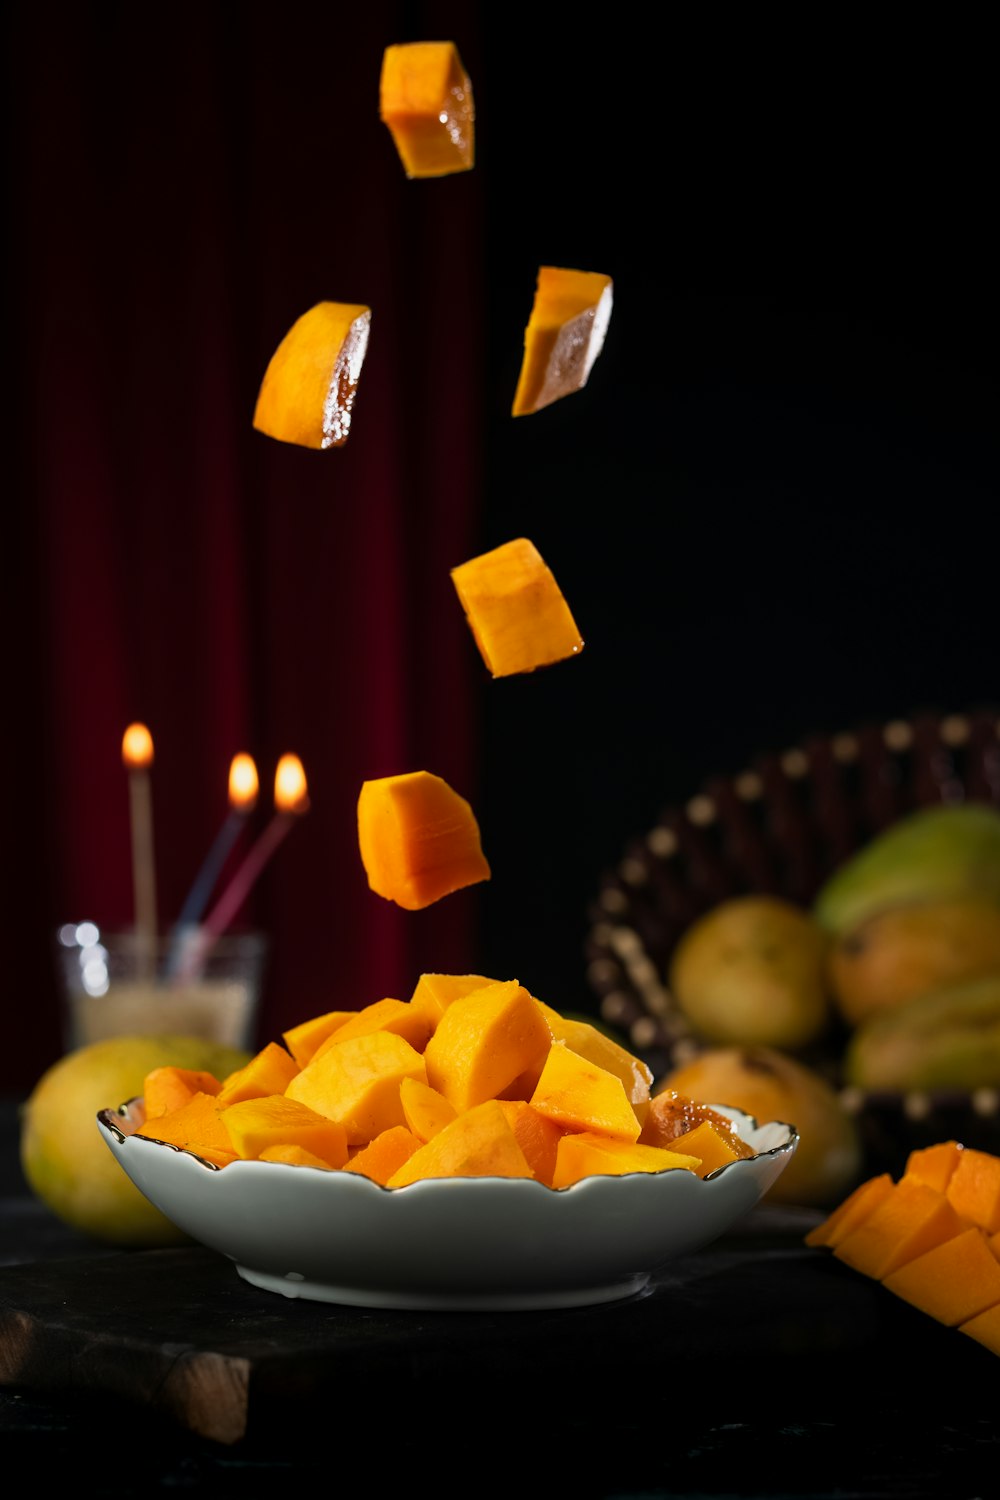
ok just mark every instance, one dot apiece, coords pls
pixel 180 190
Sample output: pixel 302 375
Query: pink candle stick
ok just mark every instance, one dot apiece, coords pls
pixel 137 757
pixel 243 787
pixel 290 802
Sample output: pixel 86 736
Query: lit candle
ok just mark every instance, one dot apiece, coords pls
pixel 137 757
pixel 243 788
pixel 291 800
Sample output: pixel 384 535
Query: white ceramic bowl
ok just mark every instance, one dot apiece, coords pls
pixel 452 1244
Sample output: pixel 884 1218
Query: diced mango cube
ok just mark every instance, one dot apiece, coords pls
pixel 385 1154
pixel 564 335
pixel 586 1154
pixel 425 1110
pixel 357 1083
pixel 196 1126
pixel 269 1071
pixel 586 1040
pixel 419 839
pixel 425 100
pixel 309 387
pixel 516 611
pixel 477 1143
pixel 713 1147
pixel 484 1041
pixel 257 1124
pixel 303 1039
pixel 537 1136
pixel 168 1087
pixel 433 993
pixel 294 1156
pixel 578 1095
pixel 400 1016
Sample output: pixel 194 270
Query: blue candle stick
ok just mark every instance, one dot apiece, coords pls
pixel 242 797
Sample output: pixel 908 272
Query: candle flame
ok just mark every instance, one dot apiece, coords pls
pixel 243 783
pixel 137 747
pixel 290 793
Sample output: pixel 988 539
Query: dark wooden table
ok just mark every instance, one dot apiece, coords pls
pixel 757 1368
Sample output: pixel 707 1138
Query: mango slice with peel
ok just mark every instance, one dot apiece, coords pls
pixel 516 611
pixel 307 394
pixel 911 1219
pixel 973 1189
pixel 952 1282
pixel 419 839
pixel 563 337
pixel 425 100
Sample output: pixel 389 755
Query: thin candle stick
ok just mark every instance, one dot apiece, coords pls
pixel 137 754
pixel 243 786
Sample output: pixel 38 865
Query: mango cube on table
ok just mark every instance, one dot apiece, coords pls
pixel 515 609
pixel 425 100
pixel 564 335
pixel 307 394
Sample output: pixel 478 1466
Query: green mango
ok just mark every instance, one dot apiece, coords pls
pixel 946 1039
pixel 938 852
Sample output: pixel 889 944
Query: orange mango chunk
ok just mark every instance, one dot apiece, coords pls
pixel 385 1154
pixel 586 1154
pixel 516 611
pixel 478 1143
pixel 399 1016
pixel 303 1039
pixel 910 1220
pixel 168 1087
pixel 425 100
pixel 588 1041
pixel 269 1071
pixel 424 1109
pixel 564 335
pixel 853 1211
pixel 433 993
pixel 254 1125
pixel 578 1095
pixel 934 1164
pixel 537 1136
pixel 196 1126
pixel 953 1282
pixel 713 1147
pixel 484 1041
pixel 984 1328
pixel 357 1083
pixel 974 1189
pixel 419 839
pixel 294 1156
pixel 307 394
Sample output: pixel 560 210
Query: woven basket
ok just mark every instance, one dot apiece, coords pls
pixel 782 826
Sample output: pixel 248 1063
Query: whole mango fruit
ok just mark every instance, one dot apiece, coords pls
pixel 64 1158
pixel 751 971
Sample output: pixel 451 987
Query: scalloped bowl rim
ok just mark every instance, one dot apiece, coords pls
pixel 449 1244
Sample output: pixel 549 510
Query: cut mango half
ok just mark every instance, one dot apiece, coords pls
pixel 515 609
pixel 425 99
pixel 307 394
pixel 564 335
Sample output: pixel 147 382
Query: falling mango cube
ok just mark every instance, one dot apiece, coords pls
pixel 419 839
pixel 307 394
pixel 425 99
pixel 564 335
pixel 515 609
